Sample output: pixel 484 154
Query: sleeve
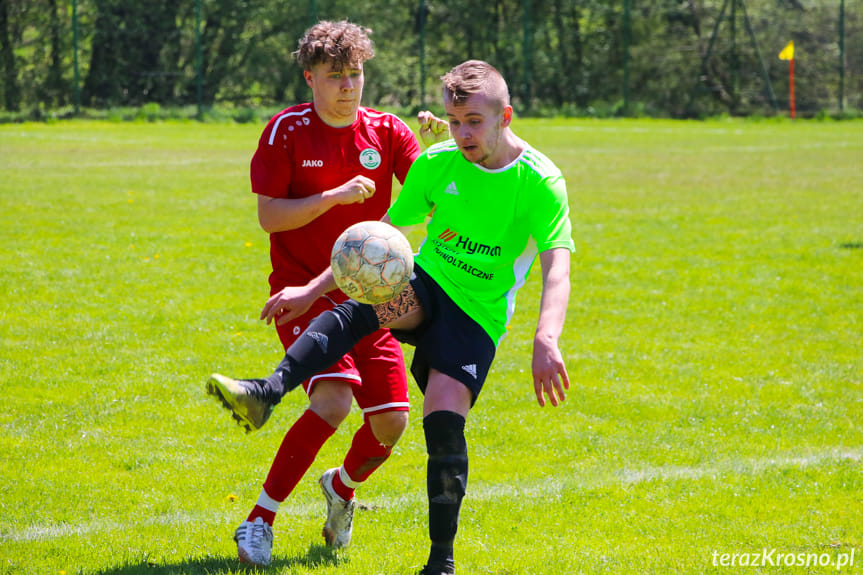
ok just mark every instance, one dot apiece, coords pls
pixel 406 148
pixel 550 225
pixel 270 170
pixel 412 205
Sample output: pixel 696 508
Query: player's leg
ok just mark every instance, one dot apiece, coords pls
pixel 333 334
pixel 366 454
pixel 329 404
pixel 328 337
pixel 445 407
pixel 383 396
pixel 330 399
pixel 452 358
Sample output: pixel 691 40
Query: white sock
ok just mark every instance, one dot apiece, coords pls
pixel 346 479
pixel 268 502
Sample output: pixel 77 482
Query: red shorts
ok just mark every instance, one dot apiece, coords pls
pixel 375 367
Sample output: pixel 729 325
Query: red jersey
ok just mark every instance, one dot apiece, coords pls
pixel 299 155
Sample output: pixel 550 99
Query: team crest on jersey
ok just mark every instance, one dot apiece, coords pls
pixel 370 158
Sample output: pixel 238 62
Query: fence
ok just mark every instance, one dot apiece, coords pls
pixel 570 57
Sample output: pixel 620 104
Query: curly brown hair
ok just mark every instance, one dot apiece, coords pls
pixel 342 43
pixel 473 77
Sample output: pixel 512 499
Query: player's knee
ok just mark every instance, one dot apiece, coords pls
pixel 332 403
pixel 388 427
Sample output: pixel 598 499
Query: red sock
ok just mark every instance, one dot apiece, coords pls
pixel 364 457
pixel 268 516
pixel 266 509
pixel 296 454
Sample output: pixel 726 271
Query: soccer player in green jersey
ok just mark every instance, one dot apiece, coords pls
pixel 495 204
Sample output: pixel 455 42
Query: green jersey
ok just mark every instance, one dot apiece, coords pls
pixel 486 227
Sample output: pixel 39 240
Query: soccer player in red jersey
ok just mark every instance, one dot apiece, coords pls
pixel 320 167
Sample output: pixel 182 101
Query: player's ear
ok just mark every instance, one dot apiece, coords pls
pixel 307 74
pixel 507 116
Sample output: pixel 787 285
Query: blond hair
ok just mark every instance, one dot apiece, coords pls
pixel 474 77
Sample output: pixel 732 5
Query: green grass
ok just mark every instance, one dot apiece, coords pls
pixel 713 341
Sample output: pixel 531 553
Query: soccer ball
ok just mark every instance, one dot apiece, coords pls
pixel 372 262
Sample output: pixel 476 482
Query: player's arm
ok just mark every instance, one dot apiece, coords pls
pixel 549 372
pixel 294 301
pixel 407 231
pixel 282 214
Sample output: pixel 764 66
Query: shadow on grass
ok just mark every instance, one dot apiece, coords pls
pixel 316 556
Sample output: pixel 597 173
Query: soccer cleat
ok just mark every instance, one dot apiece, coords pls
pixel 254 542
pixel 340 513
pixel 436 570
pixel 245 398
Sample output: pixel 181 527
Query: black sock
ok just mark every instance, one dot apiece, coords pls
pixel 446 482
pixel 328 337
pixel 441 558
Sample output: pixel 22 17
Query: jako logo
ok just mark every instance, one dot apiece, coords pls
pixel 468 245
pixel 313 163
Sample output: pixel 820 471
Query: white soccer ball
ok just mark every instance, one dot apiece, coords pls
pixel 372 262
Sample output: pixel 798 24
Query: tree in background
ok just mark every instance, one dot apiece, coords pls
pixel 560 56
pixel 11 93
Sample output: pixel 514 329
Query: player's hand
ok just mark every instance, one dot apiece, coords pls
pixel 288 304
pixel 432 128
pixel 355 191
pixel 549 373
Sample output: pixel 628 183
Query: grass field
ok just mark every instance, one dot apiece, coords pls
pixel 714 340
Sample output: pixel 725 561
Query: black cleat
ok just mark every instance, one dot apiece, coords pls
pixel 437 570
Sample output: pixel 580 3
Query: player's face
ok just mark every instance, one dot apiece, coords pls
pixel 337 92
pixel 477 126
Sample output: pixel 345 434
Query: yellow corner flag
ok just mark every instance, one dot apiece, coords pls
pixel 787 53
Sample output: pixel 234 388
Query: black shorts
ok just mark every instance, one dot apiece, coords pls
pixel 448 340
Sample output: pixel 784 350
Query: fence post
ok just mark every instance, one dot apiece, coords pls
pixel 526 52
pixel 627 39
pixel 422 24
pixel 841 56
pixel 75 50
pixel 198 60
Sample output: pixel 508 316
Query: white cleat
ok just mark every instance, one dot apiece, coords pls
pixel 254 542
pixel 340 513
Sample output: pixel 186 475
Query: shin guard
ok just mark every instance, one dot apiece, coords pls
pixel 446 475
